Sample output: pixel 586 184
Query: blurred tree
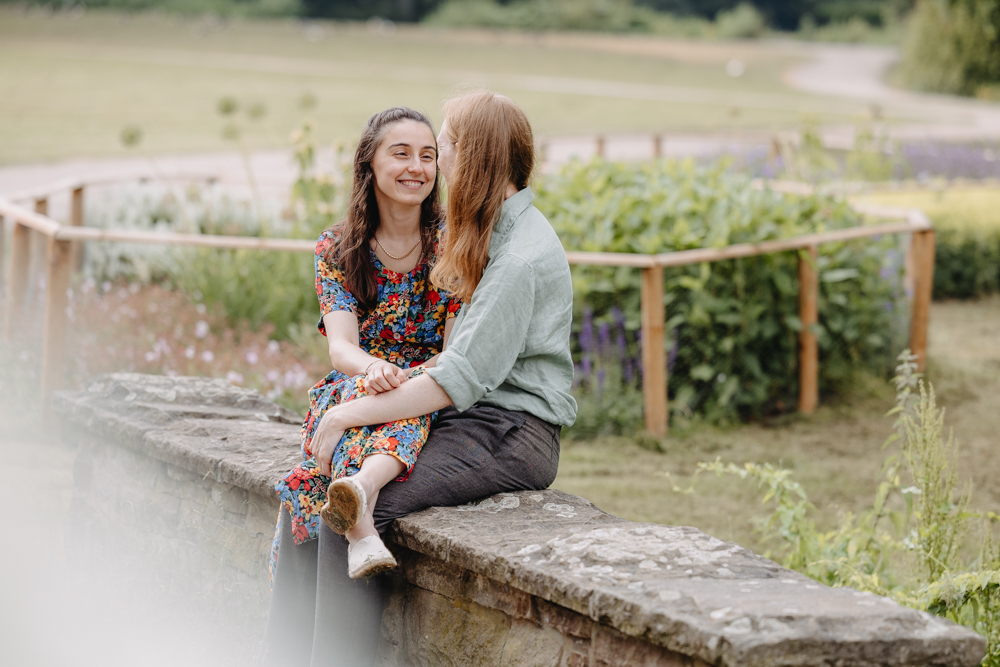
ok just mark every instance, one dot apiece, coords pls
pixel 953 46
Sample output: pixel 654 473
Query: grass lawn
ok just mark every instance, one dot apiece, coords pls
pixel 68 86
pixel 836 453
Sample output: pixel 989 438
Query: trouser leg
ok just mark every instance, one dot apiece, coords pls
pixel 473 454
pixel 288 637
pixel 348 611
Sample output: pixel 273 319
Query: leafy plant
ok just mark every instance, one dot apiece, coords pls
pixel 908 550
pixel 733 325
pixel 967 256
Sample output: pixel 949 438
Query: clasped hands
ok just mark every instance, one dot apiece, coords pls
pixel 380 377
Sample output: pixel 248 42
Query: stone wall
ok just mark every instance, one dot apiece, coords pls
pixel 176 473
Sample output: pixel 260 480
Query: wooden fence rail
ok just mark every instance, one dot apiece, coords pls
pixel 62 258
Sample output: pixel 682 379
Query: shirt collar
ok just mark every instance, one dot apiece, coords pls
pixel 512 209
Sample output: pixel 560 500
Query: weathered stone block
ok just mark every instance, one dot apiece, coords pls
pixel 531 645
pixel 444 632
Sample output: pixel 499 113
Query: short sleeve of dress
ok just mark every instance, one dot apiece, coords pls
pixel 330 284
pixel 452 305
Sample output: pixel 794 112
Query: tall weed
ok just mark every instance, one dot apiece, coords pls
pixel 907 546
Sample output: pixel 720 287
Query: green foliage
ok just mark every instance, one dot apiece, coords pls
pixel 966 264
pixel 233 8
pixel 953 46
pixel 967 257
pixel 261 287
pixel 733 325
pixel 597 15
pixel 906 546
pixel 742 22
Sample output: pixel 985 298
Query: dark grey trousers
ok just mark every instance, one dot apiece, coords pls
pixel 318 615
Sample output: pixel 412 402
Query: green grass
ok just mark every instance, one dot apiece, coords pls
pixel 836 453
pixel 69 86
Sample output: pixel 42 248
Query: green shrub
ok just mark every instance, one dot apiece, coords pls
pixel 733 325
pixel 907 545
pixel 967 258
pixel 953 46
pixel 591 15
pixel 742 22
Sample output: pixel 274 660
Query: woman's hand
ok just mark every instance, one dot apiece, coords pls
pixel 383 376
pixel 325 441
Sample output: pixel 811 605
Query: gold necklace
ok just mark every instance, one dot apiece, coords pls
pixel 404 256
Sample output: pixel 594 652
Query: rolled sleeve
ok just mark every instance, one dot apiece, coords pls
pixel 490 336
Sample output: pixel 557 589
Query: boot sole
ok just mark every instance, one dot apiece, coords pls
pixel 342 509
pixel 372 568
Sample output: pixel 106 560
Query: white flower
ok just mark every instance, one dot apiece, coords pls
pixel 273 347
pixel 207 356
pixel 234 377
pixel 201 329
pixel 190 352
pixel 252 357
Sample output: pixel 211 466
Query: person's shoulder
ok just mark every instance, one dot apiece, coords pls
pixel 534 239
pixel 327 239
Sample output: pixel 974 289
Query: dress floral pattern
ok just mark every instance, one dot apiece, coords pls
pixel 406 328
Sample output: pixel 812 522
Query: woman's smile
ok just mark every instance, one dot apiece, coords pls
pixel 407 156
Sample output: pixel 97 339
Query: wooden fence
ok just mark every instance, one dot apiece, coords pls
pixel 62 252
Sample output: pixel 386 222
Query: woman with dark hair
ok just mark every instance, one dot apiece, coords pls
pixel 382 318
pixel 501 385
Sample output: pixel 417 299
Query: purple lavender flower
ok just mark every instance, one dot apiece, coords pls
pixel 585 367
pixel 603 338
pixel 587 332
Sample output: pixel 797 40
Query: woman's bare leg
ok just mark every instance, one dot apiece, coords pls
pixel 376 471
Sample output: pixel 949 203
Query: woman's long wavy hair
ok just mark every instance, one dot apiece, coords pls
pixel 352 251
pixel 495 147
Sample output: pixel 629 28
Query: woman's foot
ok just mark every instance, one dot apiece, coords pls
pixel 346 503
pixel 368 556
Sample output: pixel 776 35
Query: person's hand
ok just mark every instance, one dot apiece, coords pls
pixel 325 441
pixel 383 376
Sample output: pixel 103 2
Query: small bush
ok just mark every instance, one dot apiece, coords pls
pixel 967 258
pixel 742 22
pixel 733 325
pixel 590 15
pixel 596 15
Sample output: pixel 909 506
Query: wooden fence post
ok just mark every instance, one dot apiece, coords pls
pixel 922 258
pixel 654 359
pixel 59 257
pixel 809 315
pixel 657 146
pixel 17 278
pixel 76 220
pixel 600 145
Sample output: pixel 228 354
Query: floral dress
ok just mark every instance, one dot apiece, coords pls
pixel 406 328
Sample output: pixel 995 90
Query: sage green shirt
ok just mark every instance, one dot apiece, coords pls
pixel 510 344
